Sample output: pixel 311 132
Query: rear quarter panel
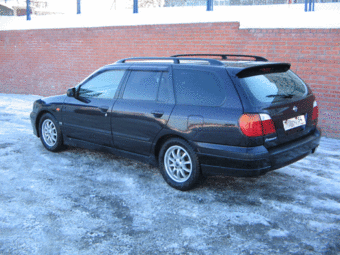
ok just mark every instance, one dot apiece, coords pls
pixel 211 124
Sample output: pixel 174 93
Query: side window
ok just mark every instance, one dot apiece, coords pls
pixel 195 87
pixel 165 91
pixel 104 85
pixel 142 85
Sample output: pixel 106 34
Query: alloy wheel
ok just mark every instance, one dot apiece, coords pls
pixel 177 163
pixel 49 132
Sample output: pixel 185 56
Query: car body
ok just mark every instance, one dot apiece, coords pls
pixel 191 116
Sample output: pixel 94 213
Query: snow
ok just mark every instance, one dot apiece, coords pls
pixel 84 202
pixel 326 15
pixel 277 233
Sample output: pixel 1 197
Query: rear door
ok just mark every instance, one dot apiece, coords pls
pixel 286 98
pixel 143 109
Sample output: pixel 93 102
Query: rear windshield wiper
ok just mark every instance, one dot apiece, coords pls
pixel 282 95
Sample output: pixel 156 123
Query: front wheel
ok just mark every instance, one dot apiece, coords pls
pixel 50 133
pixel 179 164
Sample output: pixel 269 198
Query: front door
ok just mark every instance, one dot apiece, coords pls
pixel 87 115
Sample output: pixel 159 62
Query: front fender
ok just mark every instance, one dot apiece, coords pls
pixel 52 105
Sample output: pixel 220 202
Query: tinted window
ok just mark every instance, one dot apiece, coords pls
pixel 104 85
pixel 198 88
pixel 274 87
pixel 165 91
pixel 142 85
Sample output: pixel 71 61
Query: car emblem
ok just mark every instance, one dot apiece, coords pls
pixel 295 109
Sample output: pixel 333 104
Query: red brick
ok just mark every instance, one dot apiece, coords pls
pixel 48 62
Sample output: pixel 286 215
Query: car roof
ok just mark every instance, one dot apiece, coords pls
pixel 235 63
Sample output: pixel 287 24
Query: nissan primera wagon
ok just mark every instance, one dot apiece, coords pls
pixel 192 115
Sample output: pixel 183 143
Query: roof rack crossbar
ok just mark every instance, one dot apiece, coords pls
pixel 223 56
pixel 174 59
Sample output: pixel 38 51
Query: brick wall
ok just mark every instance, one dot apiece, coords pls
pixel 47 62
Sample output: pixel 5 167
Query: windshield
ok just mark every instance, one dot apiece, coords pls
pixel 274 87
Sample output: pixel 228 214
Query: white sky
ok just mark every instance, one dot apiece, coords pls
pixel 326 15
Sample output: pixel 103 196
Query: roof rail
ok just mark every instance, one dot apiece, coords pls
pixel 175 60
pixel 223 56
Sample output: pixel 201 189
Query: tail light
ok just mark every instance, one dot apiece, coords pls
pixel 253 125
pixel 315 114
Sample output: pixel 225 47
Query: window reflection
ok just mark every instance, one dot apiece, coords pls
pixel 104 85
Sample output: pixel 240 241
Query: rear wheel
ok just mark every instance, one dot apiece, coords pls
pixel 179 164
pixel 50 133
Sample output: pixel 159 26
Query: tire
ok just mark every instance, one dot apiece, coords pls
pixel 50 133
pixel 179 164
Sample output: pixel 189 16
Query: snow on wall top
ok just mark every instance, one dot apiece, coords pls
pixel 326 15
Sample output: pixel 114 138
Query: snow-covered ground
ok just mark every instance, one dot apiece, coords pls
pixel 326 15
pixel 84 202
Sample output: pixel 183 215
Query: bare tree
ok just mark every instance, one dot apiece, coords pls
pixel 141 3
pixel 150 3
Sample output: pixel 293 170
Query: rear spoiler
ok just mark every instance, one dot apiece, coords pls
pixel 263 69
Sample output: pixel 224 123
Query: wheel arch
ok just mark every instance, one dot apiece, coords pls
pixel 161 140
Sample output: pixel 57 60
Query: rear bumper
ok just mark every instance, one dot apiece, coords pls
pixel 253 161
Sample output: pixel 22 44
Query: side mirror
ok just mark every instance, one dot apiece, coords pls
pixel 71 92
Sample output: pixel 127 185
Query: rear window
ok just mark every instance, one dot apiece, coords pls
pixel 274 87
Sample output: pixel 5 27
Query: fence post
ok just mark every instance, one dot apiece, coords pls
pixel 135 6
pixel 309 5
pixel 210 5
pixel 78 6
pixel 28 9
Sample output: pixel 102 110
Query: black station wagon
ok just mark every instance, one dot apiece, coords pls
pixel 234 115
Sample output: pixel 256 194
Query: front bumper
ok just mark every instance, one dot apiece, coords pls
pixel 253 161
pixel 33 117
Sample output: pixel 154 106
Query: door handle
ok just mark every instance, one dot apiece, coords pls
pixel 157 114
pixel 103 109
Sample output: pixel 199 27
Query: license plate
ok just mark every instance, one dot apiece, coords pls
pixel 294 122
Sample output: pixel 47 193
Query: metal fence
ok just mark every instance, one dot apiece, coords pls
pixel 45 7
pixel 173 3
